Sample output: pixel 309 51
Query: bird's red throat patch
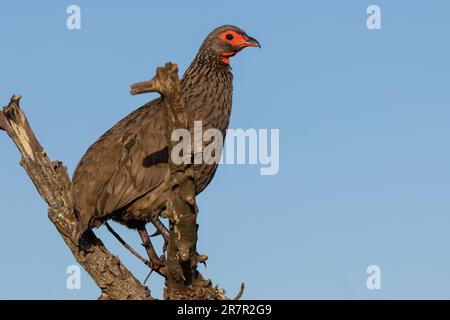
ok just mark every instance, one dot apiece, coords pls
pixel 226 56
pixel 236 40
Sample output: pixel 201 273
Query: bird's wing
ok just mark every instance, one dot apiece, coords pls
pixel 127 162
pixel 142 166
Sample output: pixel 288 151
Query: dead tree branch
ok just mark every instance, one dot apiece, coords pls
pixel 53 184
pixel 183 280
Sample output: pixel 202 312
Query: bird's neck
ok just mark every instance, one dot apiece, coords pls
pixel 207 62
pixel 207 90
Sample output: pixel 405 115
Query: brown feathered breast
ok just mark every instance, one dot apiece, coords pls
pixel 124 175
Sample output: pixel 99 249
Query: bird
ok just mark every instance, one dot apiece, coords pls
pixel 124 176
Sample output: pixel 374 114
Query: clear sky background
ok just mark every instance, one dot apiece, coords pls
pixel 364 119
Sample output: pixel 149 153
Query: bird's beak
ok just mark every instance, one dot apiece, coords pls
pixel 250 42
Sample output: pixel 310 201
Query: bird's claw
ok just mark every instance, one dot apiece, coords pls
pixel 156 233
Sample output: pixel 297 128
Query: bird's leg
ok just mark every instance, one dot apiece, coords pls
pixel 155 262
pixel 126 245
pixel 160 229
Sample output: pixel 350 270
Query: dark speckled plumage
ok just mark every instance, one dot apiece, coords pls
pixel 124 175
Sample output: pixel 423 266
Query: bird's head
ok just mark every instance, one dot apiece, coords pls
pixel 226 41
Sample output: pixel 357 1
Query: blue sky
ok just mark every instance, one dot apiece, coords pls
pixel 364 124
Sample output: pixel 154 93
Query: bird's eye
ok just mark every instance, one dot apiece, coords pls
pixel 229 36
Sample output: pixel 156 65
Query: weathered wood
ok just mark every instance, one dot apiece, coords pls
pixel 53 184
pixel 183 281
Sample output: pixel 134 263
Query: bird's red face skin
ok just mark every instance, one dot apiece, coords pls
pixel 237 41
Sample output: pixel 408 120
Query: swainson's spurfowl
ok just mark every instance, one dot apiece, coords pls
pixel 124 175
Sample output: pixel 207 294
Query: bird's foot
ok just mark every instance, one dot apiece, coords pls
pixel 159 266
pixel 160 229
pixel 156 263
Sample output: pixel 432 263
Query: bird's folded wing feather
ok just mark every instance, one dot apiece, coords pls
pixel 127 162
